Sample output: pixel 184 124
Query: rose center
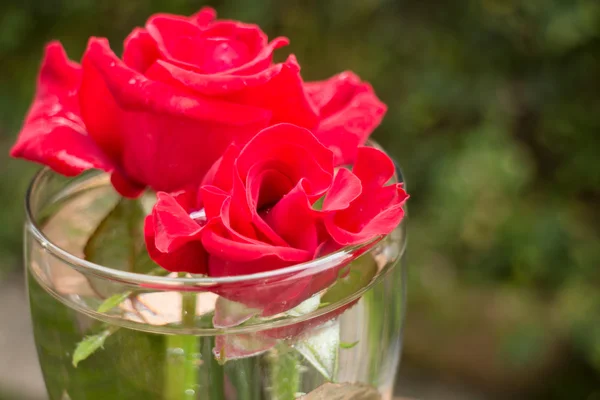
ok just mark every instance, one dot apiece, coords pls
pixel 212 55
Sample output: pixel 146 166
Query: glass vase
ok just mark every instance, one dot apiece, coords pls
pixel 103 333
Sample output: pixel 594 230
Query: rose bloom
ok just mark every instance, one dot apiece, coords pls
pixel 256 211
pixel 184 89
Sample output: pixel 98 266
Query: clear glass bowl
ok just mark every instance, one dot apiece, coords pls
pixel 172 337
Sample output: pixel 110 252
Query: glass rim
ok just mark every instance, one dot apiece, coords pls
pixel 168 282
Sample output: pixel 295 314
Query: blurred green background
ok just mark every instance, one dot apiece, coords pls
pixel 494 115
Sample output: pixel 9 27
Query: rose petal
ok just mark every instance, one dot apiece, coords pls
pixel 294 219
pixel 373 167
pixel 346 188
pixel 294 149
pixel 125 186
pixel 376 212
pixel 102 115
pixel 277 88
pixel 212 198
pixel 262 59
pixel 333 94
pixel 171 138
pixel 189 257
pixel 171 33
pixel 173 226
pixel 205 16
pixel 350 111
pixel 264 257
pixel 228 45
pixel 54 133
pixel 221 172
pixel 133 91
pixel 386 218
pixel 140 50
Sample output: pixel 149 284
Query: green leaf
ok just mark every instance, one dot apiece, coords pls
pixel 119 239
pixel 230 313
pixel 118 243
pixel 307 306
pixel 89 345
pixel 243 345
pixel 355 277
pixel 318 205
pixel 345 345
pixel 113 373
pixel 113 301
pixel 322 350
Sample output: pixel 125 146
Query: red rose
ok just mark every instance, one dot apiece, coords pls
pixel 254 212
pixel 349 112
pixel 185 89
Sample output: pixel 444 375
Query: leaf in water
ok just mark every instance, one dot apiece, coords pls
pixel 118 243
pixel 343 391
pixel 230 313
pixel 143 264
pixel 89 345
pixel 113 301
pixel 148 200
pixel 345 345
pixel 360 273
pixel 118 239
pixel 321 349
pixel 232 347
pixel 307 306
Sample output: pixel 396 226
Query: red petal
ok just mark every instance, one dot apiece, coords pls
pixel 125 186
pixel 172 138
pixel 53 133
pixel 294 219
pixel 102 115
pixel 377 212
pixel 266 257
pixel 221 172
pixel 173 226
pixel 140 50
pixel 189 257
pixel 346 188
pixel 277 89
pixel 333 94
pixel 262 60
pixel 350 111
pixel 295 151
pixel 133 91
pixel 373 167
pixel 168 31
pixel 205 16
pixel 212 198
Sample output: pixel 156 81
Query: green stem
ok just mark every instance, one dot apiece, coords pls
pixel 285 374
pixel 212 371
pixel 181 376
pixel 244 376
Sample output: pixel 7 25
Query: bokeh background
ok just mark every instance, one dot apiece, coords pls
pixel 494 115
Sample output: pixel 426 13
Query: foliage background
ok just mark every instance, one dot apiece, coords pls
pixel 494 113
